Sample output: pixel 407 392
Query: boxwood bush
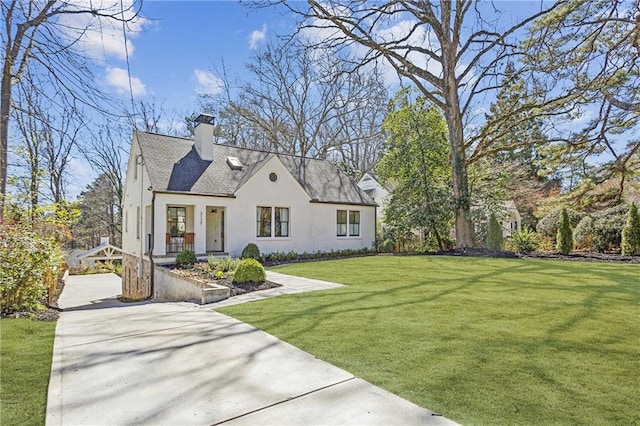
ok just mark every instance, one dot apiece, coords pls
pixel 249 271
pixel 251 251
pixel 186 258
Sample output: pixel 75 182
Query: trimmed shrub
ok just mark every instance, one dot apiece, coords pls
pixel 548 225
pixel 583 234
pixel 607 228
pixel 251 251
pixel 631 233
pixel 564 238
pixel 186 258
pixel 524 241
pixel 495 242
pixel 249 271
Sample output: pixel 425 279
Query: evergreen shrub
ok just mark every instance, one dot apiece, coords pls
pixel 548 225
pixel 186 258
pixel 251 251
pixel 249 271
pixel 584 234
pixel 564 238
pixel 495 242
pixel 631 233
pixel 607 228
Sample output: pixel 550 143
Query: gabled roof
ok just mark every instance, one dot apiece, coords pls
pixel 174 165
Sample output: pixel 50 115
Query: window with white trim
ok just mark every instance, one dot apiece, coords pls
pixel 264 221
pixel 348 223
pixel 272 221
pixel 354 223
pixel 341 223
pixel 281 218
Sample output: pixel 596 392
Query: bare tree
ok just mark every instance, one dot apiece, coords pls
pixel 451 51
pixel 61 138
pixel 29 123
pixel 37 35
pixel 304 102
pixel 47 142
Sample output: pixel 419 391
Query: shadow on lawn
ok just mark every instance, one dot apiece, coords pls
pixel 565 298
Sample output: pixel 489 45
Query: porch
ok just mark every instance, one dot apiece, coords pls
pixel 202 232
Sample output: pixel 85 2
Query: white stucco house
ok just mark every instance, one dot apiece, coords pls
pixel 508 215
pixel 512 221
pixel 370 183
pixel 215 199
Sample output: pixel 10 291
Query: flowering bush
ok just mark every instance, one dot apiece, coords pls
pixel 28 264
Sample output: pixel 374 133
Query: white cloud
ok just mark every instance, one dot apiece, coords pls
pixel 101 38
pixel 118 78
pixel 257 36
pixel 207 83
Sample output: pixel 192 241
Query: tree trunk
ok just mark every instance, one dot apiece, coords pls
pixel 463 226
pixel 5 104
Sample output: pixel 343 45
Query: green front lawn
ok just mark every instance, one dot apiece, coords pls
pixel 26 347
pixel 481 341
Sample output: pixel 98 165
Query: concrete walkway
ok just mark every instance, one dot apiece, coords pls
pixel 180 364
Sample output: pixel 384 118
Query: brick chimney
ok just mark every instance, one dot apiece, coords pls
pixel 203 133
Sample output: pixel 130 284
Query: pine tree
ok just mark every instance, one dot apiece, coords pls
pixel 517 139
pixel 495 242
pixel 631 233
pixel 564 238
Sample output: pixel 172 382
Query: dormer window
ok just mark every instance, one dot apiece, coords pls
pixel 234 163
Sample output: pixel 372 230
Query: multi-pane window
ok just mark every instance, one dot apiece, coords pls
pixel 354 223
pixel 281 221
pixel 341 223
pixel 273 221
pixel 264 222
pixel 348 223
pixel 177 221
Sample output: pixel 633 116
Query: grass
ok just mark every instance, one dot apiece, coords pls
pixel 26 348
pixel 478 340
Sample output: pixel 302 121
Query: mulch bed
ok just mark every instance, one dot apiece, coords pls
pixel 582 257
pixel 236 289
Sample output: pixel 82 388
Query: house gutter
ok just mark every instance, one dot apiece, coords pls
pixel 196 194
pixel 375 229
pixel 315 200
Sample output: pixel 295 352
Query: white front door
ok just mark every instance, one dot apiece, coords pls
pixel 215 229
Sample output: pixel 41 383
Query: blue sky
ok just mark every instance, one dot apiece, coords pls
pixel 171 59
pixel 174 48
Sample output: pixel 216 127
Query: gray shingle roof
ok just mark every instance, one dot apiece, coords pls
pixel 173 164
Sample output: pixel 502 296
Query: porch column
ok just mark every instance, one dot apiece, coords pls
pixel 160 240
pixel 200 228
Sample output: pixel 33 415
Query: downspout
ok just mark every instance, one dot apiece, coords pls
pixel 139 220
pixel 375 229
pixel 151 244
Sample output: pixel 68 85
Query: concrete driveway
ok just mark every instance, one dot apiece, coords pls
pixel 120 363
